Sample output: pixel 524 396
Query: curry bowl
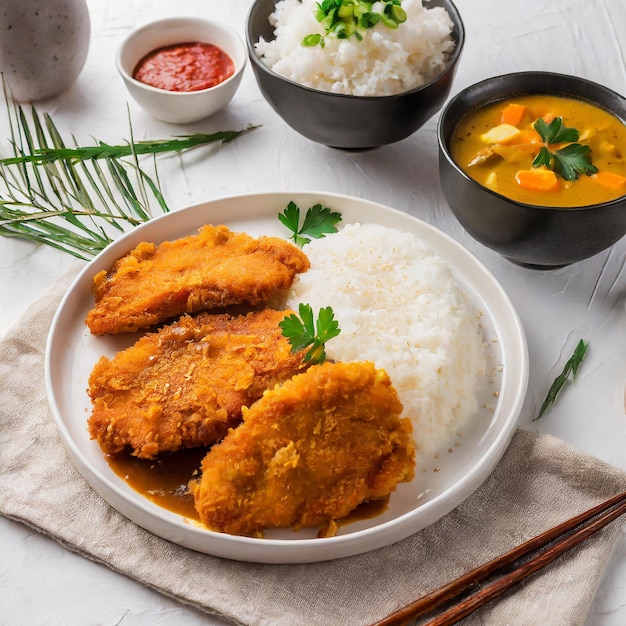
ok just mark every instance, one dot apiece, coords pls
pixel 180 107
pixel 529 233
pixel 345 121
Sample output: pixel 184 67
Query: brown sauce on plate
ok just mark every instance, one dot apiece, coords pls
pixel 165 480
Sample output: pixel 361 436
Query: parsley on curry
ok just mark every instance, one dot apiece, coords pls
pixel 544 150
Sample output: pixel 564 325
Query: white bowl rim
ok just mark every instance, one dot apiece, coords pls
pixel 181 20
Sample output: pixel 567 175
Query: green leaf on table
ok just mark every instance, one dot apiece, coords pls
pixel 570 370
pixel 75 198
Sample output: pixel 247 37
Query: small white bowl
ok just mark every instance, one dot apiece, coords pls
pixel 178 107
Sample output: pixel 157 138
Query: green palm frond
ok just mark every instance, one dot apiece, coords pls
pixel 79 198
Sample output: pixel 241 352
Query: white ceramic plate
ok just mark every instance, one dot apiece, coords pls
pixel 435 491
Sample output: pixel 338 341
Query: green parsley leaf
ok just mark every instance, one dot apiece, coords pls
pixel 571 367
pixel 290 218
pixel 573 160
pixel 555 132
pixel 318 222
pixel 303 332
pixel 568 162
pixel 544 158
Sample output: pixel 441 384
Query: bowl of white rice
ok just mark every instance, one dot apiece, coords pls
pixel 374 87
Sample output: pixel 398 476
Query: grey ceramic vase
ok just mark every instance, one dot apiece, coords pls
pixel 43 46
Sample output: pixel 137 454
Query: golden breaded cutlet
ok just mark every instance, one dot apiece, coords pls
pixel 307 453
pixel 184 386
pixel 214 269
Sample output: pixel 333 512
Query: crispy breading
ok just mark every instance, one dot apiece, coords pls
pixel 214 269
pixel 184 385
pixel 307 453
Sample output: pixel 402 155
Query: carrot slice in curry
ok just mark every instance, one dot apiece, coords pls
pixel 610 180
pixel 537 179
pixel 513 114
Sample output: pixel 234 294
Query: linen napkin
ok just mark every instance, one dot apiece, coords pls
pixel 541 481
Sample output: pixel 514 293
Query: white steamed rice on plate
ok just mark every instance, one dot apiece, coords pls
pixel 398 305
pixel 387 61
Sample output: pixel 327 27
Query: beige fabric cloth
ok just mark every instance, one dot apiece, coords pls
pixel 540 482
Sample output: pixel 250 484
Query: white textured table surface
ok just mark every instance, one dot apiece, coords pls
pixel 42 583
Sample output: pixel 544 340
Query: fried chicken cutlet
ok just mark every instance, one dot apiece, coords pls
pixel 214 269
pixel 184 385
pixel 307 453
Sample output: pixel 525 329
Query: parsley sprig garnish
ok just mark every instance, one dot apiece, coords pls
pixel 347 18
pixel 303 332
pixel 571 367
pixel 568 162
pixel 318 222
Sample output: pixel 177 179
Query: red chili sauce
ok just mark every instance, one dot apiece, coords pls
pixel 185 67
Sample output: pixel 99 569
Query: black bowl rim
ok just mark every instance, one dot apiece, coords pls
pixel 452 61
pixel 510 76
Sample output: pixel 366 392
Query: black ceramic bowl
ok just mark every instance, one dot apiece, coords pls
pixel 536 236
pixel 345 121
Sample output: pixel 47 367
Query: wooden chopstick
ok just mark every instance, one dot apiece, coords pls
pixel 555 542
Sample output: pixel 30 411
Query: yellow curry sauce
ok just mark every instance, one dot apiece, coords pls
pixel 496 145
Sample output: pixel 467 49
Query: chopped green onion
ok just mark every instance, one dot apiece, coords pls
pixel 346 18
